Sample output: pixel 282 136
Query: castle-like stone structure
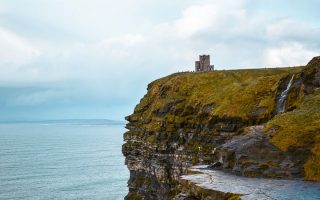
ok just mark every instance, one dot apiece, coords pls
pixel 203 65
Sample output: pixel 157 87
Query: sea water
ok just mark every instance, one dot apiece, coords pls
pixel 62 161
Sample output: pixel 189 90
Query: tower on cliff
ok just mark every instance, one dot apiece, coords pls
pixel 203 65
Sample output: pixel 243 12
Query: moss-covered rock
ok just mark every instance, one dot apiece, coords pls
pixel 298 132
pixel 191 118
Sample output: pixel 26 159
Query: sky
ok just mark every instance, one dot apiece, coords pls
pixel 92 59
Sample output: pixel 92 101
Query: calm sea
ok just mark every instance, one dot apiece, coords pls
pixel 62 161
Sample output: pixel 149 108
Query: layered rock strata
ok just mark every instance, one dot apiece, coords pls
pixel 226 119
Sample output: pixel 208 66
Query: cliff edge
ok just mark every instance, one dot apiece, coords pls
pixel 255 123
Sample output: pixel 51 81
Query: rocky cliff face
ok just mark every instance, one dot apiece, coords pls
pixel 226 119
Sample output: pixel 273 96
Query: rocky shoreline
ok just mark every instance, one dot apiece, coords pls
pixel 226 119
pixel 216 184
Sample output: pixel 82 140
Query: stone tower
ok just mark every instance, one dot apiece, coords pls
pixel 198 66
pixel 203 65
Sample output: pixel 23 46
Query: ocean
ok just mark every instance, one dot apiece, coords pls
pixel 62 160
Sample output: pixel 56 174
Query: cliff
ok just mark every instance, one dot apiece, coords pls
pixel 230 120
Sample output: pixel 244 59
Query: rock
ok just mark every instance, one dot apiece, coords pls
pixel 183 196
pixel 252 154
pixel 208 108
pixel 177 126
pixel 311 75
pixel 215 165
pixel 194 191
pixel 226 127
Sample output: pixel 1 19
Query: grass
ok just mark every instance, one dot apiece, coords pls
pixel 196 98
pixel 301 129
pixel 235 93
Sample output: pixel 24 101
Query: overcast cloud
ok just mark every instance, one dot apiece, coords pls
pixel 94 58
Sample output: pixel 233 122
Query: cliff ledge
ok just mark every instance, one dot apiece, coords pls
pixel 229 120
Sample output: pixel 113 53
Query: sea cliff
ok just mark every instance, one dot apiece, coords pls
pixel 253 123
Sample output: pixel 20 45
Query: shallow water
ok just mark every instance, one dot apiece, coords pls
pixel 255 188
pixel 61 161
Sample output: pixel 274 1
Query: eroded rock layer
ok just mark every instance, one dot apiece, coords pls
pixel 226 119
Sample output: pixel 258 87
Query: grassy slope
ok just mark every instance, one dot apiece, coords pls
pixel 239 93
pixel 236 93
pixel 301 128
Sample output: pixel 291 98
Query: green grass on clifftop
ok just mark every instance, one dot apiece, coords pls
pixel 214 98
pixel 244 94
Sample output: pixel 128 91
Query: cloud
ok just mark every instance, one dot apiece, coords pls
pixel 292 30
pixel 210 17
pixel 15 50
pixel 127 40
pixel 222 28
pixel 196 18
pixel 293 54
pixel 35 98
pixel 291 42
pixel 110 50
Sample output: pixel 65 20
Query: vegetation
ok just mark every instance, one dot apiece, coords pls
pixel 300 128
pixel 196 99
pixel 244 94
pixel 188 119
